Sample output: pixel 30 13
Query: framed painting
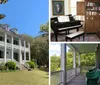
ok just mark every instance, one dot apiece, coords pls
pixel 58 7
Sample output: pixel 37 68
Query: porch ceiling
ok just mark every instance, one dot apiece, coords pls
pixel 84 48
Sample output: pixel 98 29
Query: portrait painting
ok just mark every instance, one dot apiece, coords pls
pixel 58 7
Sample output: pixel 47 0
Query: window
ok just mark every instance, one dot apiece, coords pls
pixel 8 41
pixel 16 42
pixel 1 54
pixel 1 38
pixel 22 55
pixel 27 44
pixel 27 56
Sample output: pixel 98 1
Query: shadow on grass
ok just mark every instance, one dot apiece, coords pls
pixel 44 69
pixel 46 77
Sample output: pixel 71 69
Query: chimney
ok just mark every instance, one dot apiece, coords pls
pixel 5 26
pixel 14 30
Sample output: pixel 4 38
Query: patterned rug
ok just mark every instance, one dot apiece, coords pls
pixel 88 37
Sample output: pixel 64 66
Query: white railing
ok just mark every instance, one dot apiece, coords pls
pixel 22 48
pixel 9 45
pixel 27 49
pixel 16 46
pixel 56 77
pixel 78 71
pixel 70 74
pixel 22 61
pixel 2 60
pixel 2 43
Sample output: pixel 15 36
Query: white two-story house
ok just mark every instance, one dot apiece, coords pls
pixel 13 47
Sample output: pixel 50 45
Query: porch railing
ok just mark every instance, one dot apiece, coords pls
pixel 56 77
pixel 2 43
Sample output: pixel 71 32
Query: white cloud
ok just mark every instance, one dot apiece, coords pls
pixel 54 49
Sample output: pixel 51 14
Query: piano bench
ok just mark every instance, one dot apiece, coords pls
pixel 75 35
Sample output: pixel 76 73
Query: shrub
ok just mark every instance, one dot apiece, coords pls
pixel 11 65
pixel 31 64
pixel 2 66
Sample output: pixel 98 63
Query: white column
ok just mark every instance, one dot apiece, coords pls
pixel 20 55
pixel 24 51
pixel 79 62
pixel 63 63
pixel 74 61
pixel 12 52
pixel 5 49
pixel 29 52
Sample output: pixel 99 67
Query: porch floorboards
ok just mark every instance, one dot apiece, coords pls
pixel 77 80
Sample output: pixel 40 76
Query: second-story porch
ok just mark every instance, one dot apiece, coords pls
pixel 74 76
pixel 13 42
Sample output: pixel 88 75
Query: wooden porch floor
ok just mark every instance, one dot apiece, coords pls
pixel 78 80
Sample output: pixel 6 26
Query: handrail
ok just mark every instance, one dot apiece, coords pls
pixel 57 76
pixel 52 73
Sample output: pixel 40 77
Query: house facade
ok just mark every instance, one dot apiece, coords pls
pixel 13 47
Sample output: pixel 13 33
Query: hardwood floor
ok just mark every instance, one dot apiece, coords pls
pixel 78 80
pixel 88 37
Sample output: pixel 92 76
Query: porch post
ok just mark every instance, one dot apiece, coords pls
pixel 5 50
pixel 20 55
pixel 74 60
pixel 12 52
pixel 97 53
pixel 79 61
pixel 24 51
pixel 29 52
pixel 63 63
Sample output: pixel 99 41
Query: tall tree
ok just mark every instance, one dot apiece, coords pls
pixel 44 28
pixel 40 46
pixel 2 2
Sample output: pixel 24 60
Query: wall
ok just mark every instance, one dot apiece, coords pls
pixel 66 6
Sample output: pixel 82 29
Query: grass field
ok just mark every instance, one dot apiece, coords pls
pixel 35 77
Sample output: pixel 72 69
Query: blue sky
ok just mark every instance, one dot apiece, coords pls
pixel 25 15
pixel 55 49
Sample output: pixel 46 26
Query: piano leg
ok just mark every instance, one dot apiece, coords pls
pixel 79 37
pixel 56 37
pixel 68 31
pixel 77 29
pixel 66 38
pixel 70 39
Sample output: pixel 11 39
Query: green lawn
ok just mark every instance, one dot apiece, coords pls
pixel 35 77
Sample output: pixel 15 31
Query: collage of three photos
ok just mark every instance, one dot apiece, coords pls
pixel 50 42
